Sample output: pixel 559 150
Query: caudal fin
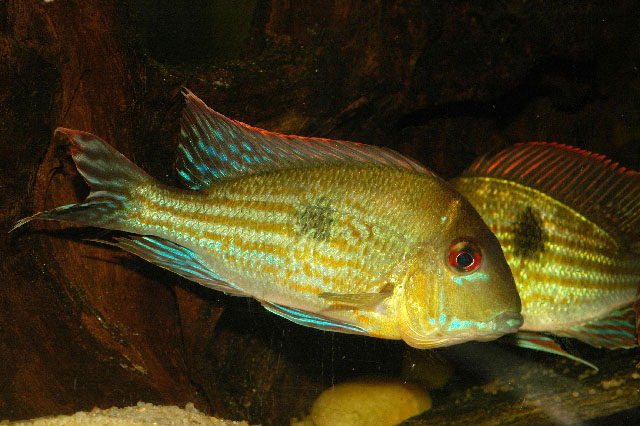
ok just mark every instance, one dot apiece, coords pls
pixel 111 176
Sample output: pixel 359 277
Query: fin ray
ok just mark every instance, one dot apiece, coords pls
pixel 543 343
pixel 616 330
pixel 217 147
pixel 111 177
pixel 601 190
pixel 174 258
pixel 358 300
pixel 313 320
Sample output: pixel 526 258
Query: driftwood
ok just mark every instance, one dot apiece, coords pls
pixel 82 325
pixel 517 387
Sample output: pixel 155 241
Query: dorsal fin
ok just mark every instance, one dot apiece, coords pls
pixel 591 184
pixel 217 147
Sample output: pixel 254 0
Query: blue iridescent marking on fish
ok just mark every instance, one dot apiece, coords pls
pixel 206 147
pixel 176 229
pixel 303 318
pixel 478 276
pixel 187 154
pixel 202 168
pixel 457 324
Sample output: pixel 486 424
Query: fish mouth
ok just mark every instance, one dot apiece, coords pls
pixel 504 323
pixel 508 322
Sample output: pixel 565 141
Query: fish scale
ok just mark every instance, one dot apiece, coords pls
pixel 334 235
pixel 568 221
pixel 252 231
pixel 589 262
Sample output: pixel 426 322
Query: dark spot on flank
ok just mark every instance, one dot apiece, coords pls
pixel 315 220
pixel 529 235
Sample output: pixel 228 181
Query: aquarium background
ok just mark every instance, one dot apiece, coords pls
pixel 83 325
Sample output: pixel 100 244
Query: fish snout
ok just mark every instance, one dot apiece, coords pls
pixel 508 322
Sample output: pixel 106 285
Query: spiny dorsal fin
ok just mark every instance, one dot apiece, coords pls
pixel 591 184
pixel 217 147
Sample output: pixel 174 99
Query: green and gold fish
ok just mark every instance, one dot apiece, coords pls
pixel 330 234
pixel 569 224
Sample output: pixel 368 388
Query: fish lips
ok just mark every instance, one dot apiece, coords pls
pixel 498 326
pixel 504 323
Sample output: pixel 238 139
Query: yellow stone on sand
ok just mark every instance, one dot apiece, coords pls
pixel 369 401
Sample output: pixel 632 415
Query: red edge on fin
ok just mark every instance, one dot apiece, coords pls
pixel 590 183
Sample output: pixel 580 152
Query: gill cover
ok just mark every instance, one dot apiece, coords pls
pixel 417 302
pixel 441 304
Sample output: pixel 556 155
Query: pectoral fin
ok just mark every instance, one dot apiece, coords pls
pixel 356 300
pixel 313 320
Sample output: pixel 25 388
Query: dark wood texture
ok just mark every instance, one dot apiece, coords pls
pixel 82 325
pixel 497 385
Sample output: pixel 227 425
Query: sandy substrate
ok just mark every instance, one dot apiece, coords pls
pixel 141 415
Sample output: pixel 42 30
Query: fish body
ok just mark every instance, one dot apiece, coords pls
pixel 569 269
pixel 334 235
pixel 567 221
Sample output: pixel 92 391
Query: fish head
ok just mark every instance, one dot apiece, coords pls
pixel 458 286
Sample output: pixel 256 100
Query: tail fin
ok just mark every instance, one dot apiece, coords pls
pixel 111 176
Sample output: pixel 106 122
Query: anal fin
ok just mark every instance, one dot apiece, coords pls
pixel 617 330
pixel 313 320
pixel 175 258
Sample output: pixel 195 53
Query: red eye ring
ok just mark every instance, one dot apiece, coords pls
pixel 464 256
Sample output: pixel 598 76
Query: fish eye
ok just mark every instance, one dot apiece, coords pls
pixel 464 256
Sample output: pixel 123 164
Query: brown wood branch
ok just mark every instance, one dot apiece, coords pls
pixel 518 387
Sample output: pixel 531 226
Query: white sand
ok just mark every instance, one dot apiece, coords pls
pixel 142 414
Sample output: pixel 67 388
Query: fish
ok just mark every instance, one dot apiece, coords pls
pixel 335 235
pixel 568 221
